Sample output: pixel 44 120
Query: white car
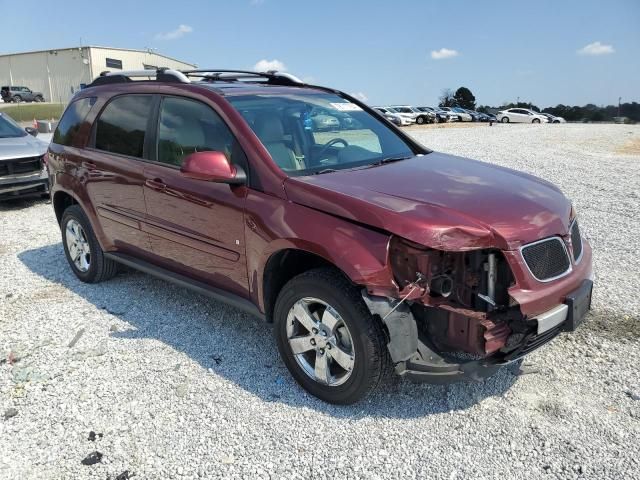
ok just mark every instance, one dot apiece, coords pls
pixel 393 117
pixel 461 114
pixel 405 111
pixel 521 115
pixel 553 118
pixel 407 118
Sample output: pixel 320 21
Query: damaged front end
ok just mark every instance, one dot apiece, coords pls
pixel 451 316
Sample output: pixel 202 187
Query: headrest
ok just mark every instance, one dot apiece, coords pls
pixel 269 128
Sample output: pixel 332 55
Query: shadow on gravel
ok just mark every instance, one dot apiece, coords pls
pixel 229 343
pixel 12 204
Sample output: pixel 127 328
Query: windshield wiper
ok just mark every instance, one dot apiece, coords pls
pixel 324 170
pixel 388 160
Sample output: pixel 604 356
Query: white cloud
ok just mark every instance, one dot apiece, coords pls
pixel 360 96
pixel 596 48
pixel 443 53
pixel 265 65
pixel 181 31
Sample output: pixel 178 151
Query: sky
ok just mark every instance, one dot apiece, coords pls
pixel 385 52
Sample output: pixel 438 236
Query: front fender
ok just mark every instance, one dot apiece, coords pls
pixel 274 224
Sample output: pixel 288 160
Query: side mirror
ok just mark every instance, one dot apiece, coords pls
pixel 31 131
pixel 212 167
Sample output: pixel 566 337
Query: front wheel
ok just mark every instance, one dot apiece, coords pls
pixel 505 120
pixel 535 120
pixel 332 345
pixel 420 120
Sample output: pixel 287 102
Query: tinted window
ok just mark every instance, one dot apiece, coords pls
pixel 122 125
pixel 71 121
pixel 113 63
pixel 186 127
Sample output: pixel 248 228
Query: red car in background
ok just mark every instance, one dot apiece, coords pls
pixel 368 252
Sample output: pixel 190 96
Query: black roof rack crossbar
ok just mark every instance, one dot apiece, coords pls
pixel 124 76
pixel 215 74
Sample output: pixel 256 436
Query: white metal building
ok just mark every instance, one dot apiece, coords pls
pixel 58 74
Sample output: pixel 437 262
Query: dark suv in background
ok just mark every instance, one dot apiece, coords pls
pixel 368 252
pixel 20 94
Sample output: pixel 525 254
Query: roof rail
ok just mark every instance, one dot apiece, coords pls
pixel 215 74
pixel 160 74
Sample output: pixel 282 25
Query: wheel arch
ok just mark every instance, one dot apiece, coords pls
pixel 283 265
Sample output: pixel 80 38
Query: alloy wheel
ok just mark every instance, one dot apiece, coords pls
pixel 78 245
pixel 320 341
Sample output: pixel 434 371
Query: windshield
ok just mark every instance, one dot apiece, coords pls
pixel 9 128
pixel 319 133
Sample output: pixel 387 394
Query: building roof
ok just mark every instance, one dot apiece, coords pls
pixel 149 51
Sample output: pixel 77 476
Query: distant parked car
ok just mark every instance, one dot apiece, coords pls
pixel 411 112
pixel 322 121
pixel 20 94
pixel 393 117
pixel 553 118
pixel 455 117
pixel 462 115
pixel 438 115
pixel 475 116
pixel 22 167
pixel 521 115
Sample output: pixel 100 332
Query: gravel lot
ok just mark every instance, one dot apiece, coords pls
pixel 175 385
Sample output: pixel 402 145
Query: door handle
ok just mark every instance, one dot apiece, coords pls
pixel 156 184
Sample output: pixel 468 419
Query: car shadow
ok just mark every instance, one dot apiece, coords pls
pixel 10 204
pixel 240 347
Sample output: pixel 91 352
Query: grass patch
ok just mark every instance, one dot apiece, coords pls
pixel 24 112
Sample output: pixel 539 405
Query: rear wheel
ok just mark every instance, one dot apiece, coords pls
pixel 505 120
pixel 332 345
pixel 16 99
pixel 82 249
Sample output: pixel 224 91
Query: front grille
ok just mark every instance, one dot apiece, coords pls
pixel 20 166
pixel 576 240
pixel 547 259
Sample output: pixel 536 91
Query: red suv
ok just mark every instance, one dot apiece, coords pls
pixel 368 252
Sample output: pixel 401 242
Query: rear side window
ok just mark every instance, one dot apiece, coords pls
pixel 122 125
pixel 71 121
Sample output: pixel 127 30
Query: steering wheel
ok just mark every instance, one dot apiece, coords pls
pixel 331 143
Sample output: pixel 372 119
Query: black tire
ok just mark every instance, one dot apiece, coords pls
pixel 420 120
pixel 38 99
pixel 372 364
pixel 505 120
pixel 100 268
pixel 16 99
pixel 535 120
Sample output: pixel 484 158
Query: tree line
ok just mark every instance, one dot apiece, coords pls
pixel 463 97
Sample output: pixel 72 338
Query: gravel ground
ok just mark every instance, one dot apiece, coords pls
pixel 177 386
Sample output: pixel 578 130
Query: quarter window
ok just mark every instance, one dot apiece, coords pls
pixel 71 121
pixel 188 126
pixel 122 125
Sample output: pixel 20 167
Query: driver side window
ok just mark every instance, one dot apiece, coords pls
pixel 188 126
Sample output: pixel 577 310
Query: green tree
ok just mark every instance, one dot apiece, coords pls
pixel 464 98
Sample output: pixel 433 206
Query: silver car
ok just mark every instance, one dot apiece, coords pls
pixel 22 168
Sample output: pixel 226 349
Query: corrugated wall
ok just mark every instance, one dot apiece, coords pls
pixel 56 73
pixel 131 60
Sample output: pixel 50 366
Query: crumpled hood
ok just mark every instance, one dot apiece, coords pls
pixel 441 201
pixel 20 147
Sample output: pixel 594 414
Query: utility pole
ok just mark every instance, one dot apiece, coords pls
pixel 619 99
